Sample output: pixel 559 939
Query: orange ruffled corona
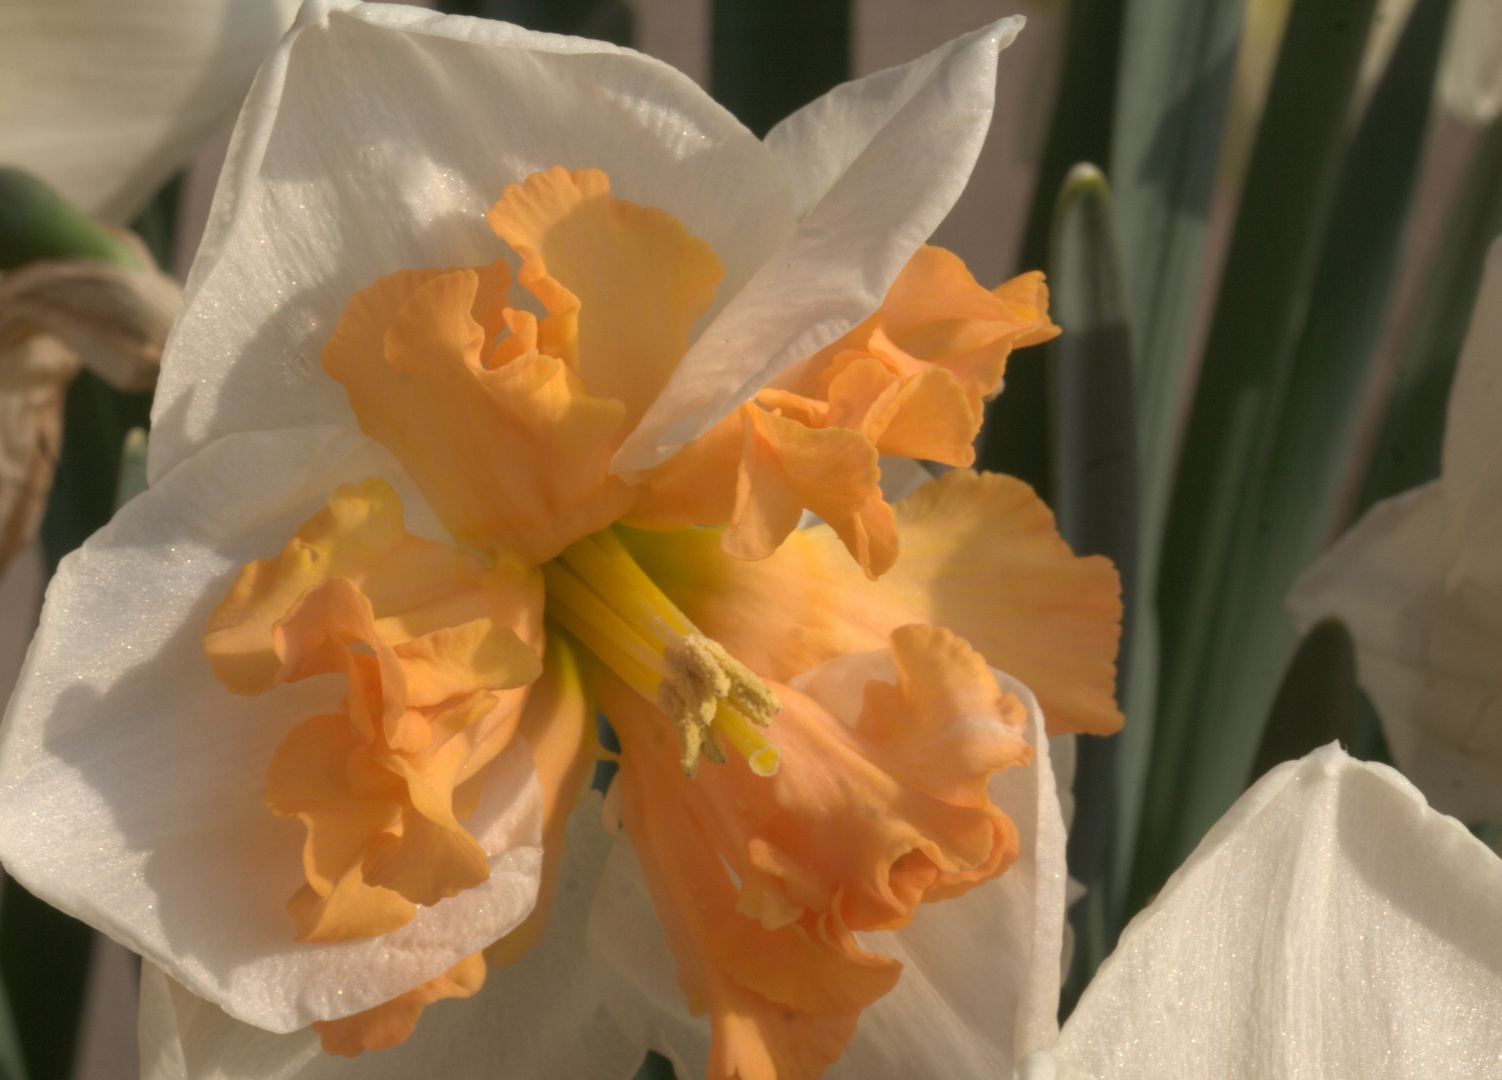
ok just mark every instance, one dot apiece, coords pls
pixel 507 421
pixel 762 883
pixel 434 648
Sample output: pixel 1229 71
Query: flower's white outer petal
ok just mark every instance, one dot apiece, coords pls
pixel 875 164
pixel 1419 583
pixel 105 100
pixel 980 981
pixel 1331 924
pixel 131 781
pixel 374 140
pixel 537 1018
pixel 1428 655
pixel 1473 448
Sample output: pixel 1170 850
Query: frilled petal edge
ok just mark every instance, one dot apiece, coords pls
pixel 131 781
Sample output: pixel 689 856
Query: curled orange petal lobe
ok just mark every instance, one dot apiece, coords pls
pixel 513 457
pixel 909 381
pixel 622 283
pixel 437 651
pixel 763 882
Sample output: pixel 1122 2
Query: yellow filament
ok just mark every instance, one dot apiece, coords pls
pixel 602 631
pixel 600 595
pixel 748 740
pixel 601 557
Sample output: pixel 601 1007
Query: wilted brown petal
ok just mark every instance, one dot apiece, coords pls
pixel 113 318
pixel 35 370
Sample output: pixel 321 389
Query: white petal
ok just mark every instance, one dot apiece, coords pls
pixel 131 781
pixel 1473 451
pixel 1330 925
pixel 980 983
pixel 875 164
pixel 535 1018
pixel 374 140
pixel 1426 653
pixel 105 100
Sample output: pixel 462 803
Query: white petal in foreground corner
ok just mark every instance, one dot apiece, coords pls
pixel 105 100
pixel 1331 925
pixel 980 979
pixel 131 783
pixel 534 1020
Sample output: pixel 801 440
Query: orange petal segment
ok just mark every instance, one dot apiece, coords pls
pixel 980 556
pixel 787 466
pixel 764 882
pixel 437 651
pixel 513 457
pixel 910 381
pixel 392 1022
pixel 622 283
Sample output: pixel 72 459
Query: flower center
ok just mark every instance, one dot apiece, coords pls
pixel 601 596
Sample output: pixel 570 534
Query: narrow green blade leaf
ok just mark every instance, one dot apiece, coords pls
pixel 1318 701
pixel 11 1065
pixel 1015 438
pixel 1224 636
pixel 44 961
pixel 1177 62
pixel 1094 430
pixel 770 57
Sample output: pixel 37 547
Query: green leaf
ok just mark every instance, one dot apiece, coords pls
pixel 1015 438
pixel 12 1067
pixel 38 223
pixel 132 467
pixel 771 57
pixel 1275 412
pixel 44 961
pixel 1177 60
pixel 1318 701
pixel 1094 456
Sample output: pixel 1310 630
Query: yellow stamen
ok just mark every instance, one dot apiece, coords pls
pixel 598 592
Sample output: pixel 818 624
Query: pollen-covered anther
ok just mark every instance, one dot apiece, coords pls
pixel 702 681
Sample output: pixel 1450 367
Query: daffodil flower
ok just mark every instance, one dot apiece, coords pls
pixel 506 356
pixel 1331 924
pixel 1418 580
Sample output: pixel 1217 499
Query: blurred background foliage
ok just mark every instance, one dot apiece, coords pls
pixel 1264 224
